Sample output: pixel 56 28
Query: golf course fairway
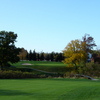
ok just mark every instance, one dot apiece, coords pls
pixel 49 89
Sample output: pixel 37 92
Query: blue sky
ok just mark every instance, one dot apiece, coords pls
pixel 49 25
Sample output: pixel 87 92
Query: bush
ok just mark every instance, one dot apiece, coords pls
pixel 18 69
pixel 16 75
pixel 90 69
pixel 70 74
pixel 96 70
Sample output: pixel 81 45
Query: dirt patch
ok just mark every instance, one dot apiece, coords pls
pixel 26 64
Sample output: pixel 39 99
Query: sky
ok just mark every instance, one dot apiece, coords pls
pixel 49 25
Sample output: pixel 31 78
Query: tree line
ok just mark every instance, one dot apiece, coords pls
pixel 9 53
pixel 74 53
pixel 34 56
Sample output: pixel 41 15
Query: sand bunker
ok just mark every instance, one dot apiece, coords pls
pixel 26 64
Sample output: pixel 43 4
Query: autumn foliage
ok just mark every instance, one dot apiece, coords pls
pixel 77 51
pixel 74 53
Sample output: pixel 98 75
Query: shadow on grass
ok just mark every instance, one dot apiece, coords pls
pixel 13 92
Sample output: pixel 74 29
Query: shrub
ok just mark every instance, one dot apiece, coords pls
pixel 69 74
pixel 18 69
pixel 90 69
pixel 16 75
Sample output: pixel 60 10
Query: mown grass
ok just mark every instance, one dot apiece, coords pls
pixel 42 63
pixel 49 89
pixel 57 67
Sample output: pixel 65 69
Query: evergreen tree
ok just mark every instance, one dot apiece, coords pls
pixel 27 56
pixel 34 55
pixel 47 56
pixel 52 56
pixel 30 55
pixel 37 57
pixel 42 56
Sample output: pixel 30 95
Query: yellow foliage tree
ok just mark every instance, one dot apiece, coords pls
pixel 74 53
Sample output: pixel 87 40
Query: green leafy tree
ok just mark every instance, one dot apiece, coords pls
pixel 8 51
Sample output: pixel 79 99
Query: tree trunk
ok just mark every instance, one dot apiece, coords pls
pixel 75 67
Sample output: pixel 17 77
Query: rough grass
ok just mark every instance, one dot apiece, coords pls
pixel 49 89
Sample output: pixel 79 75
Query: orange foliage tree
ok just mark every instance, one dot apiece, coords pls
pixel 22 54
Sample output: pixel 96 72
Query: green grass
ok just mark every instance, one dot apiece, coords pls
pixel 49 89
pixel 42 63
pixel 58 67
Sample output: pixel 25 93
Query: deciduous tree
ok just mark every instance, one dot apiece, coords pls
pixel 22 54
pixel 74 53
pixel 8 51
pixel 89 42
